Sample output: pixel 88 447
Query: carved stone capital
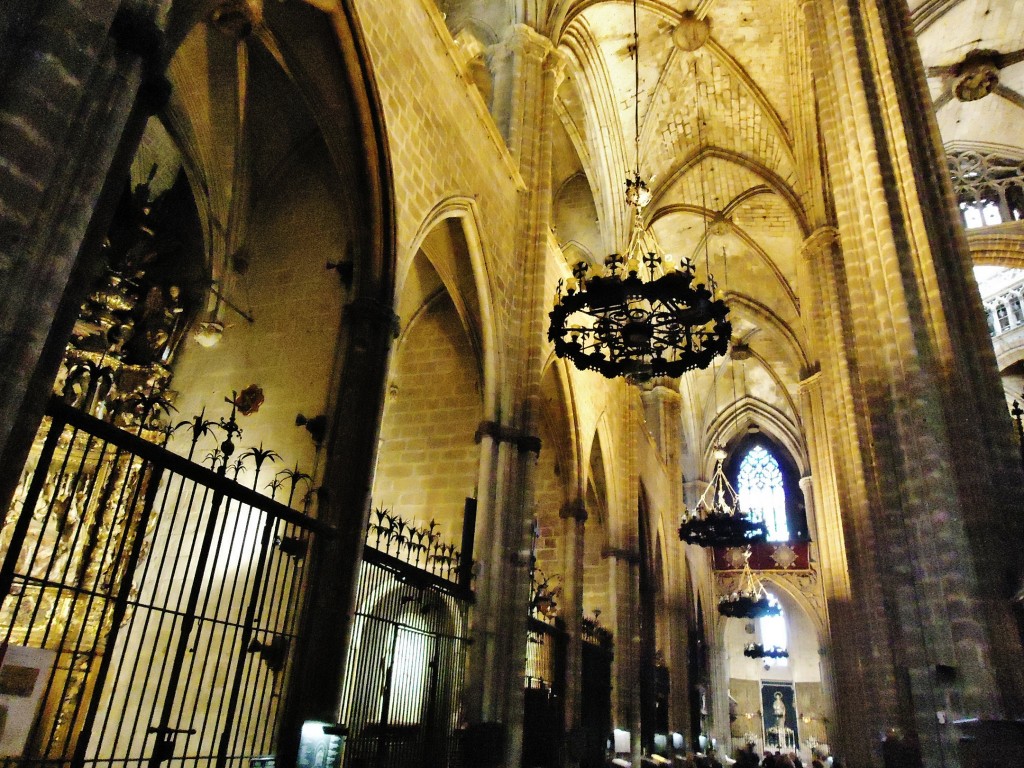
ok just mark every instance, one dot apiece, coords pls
pixel 525 40
pixel 630 556
pixel 502 434
pixel 556 63
pixel 574 510
pixel 819 242
pixel 236 18
pixel 374 324
pixel 811 379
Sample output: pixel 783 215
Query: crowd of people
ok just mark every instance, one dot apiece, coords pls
pixel 749 758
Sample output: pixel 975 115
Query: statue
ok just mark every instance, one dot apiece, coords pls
pixel 780 735
pixel 779 710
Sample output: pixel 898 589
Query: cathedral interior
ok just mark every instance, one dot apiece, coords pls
pixel 519 383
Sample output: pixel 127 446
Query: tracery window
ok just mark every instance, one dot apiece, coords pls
pixel 989 188
pixel 1016 310
pixel 1004 317
pixel 774 633
pixel 762 493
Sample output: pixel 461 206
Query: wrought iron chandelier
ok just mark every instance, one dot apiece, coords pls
pixel 750 600
pixel 717 520
pixel 637 316
pixel 758 651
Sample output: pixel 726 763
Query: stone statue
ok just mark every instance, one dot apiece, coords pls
pixel 779 710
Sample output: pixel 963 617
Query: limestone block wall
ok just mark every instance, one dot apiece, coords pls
pixel 428 461
pixel 597 576
pixel 290 348
pixel 547 505
pixel 443 141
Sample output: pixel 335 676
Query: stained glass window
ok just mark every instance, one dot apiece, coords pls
pixel 762 496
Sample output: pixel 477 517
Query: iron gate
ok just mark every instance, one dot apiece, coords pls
pixel 596 694
pixel 406 666
pixel 150 604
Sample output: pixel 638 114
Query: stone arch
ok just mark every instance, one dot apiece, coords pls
pixel 465 278
pixel 251 177
pixel 556 475
pixel 770 178
pixel 574 216
pixel 429 458
pixel 598 532
pixel 558 408
pixel 736 420
pixel 806 635
pixel 792 471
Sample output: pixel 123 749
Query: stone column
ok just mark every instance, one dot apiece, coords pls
pixel 527 71
pixel 930 507
pixel 76 75
pixel 315 688
pixel 849 650
pixel 718 706
pixel 825 658
pixel 625 563
pixel 369 326
pixel 662 406
pixel 574 519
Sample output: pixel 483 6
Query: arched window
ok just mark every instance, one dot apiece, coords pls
pixel 773 633
pixel 762 494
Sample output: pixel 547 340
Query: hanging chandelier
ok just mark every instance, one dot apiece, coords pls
pixel 750 600
pixel 717 520
pixel 637 316
pixel 758 651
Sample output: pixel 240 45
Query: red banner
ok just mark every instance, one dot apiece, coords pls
pixel 770 556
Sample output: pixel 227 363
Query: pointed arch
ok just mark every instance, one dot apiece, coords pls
pixel 559 412
pixel 770 177
pixel 474 292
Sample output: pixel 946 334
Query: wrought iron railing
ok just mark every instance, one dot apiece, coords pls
pixel 595 634
pixel 421 546
pixel 401 701
pixel 150 605
pixel 545 655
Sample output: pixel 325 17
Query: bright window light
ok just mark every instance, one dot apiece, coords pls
pixel 762 496
pixel 774 635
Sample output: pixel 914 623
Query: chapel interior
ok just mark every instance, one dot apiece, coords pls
pixel 511 383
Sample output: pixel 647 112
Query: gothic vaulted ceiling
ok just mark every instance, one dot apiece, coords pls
pixel 725 104
pixel 717 103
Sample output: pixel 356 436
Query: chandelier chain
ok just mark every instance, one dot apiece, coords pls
pixel 636 86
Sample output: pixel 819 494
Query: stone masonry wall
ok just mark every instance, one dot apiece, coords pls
pixel 297 305
pixel 428 460
pixel 443 143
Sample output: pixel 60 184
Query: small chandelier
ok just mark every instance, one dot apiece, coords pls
pixel 758 651
pixel 750 600
pixel 717 520
pixel 636 316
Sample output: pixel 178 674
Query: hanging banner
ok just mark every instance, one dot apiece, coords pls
pixel 778 705
pixel 768 556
